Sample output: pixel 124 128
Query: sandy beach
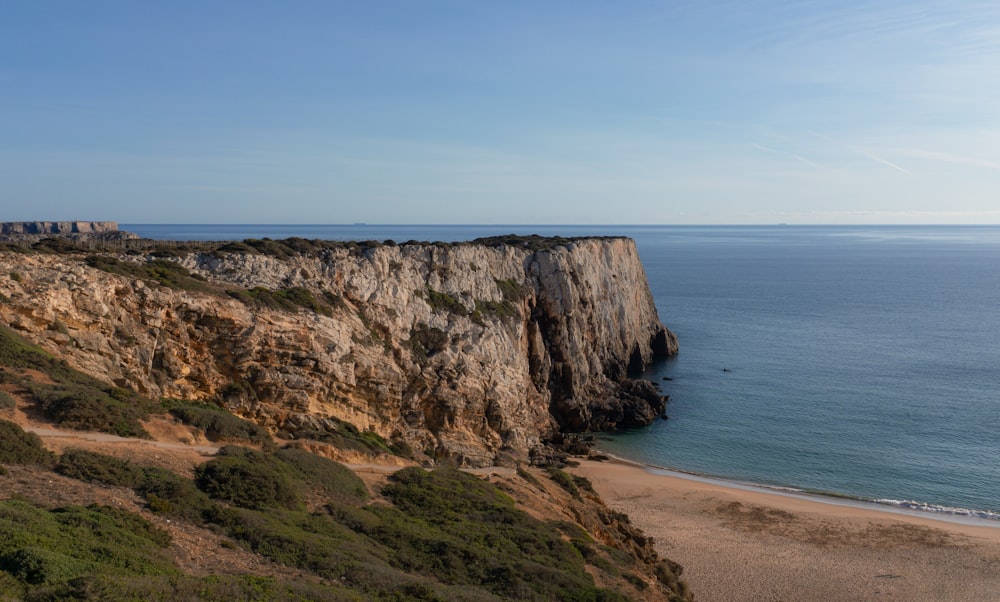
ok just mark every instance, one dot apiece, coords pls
pixel 739 544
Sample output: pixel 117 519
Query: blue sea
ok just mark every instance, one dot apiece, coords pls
pixel 854 361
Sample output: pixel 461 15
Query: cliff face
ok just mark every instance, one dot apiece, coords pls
pixel 74 227
pixel 471 351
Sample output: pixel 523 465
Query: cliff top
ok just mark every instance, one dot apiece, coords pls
pixel 111 240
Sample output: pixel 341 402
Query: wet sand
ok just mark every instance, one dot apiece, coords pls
pixel 749 544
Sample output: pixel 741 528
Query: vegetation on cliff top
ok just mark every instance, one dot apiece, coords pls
pixel 281 249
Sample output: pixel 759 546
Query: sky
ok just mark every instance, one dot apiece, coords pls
pixel 468 111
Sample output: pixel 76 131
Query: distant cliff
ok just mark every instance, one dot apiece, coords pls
pixel 73 227
pixel 474 352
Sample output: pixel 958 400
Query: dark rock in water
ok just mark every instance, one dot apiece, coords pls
pixel 632 403
pixel 664 417
pixel 667 378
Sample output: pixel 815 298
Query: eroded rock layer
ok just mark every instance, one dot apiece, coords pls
pixel 474 352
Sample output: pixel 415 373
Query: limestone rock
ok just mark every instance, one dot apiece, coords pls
pixel 471 352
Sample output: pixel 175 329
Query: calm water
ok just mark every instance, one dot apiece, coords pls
pixel 858 361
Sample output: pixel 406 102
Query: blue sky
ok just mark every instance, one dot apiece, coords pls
pixel 448 111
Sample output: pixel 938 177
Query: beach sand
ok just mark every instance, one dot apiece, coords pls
pixel 737 544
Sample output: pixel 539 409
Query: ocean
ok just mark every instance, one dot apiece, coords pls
pixel 851 361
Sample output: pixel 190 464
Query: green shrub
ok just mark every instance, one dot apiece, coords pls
pixel 158 271
pixel 289 299
pixel 214 587
pixel 73 400
pixel 324 476
pixel 461 529
pixel 426 341
pixel 6 401
pixel 527 476
pixel 566 481
pixel 99 468
pixel 249 479
pixel 444 302
pixel 87 408
pixel 42 547
pixel 299 539
pixel 344 435
pixel 20 447
pixel 169 493
pixel 511 290
pixel 220 425
pixel 18 354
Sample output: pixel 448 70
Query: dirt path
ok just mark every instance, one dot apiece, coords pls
pixel 49 433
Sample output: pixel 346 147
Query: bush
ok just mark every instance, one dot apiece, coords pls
pixel 99 468
pixel 461 529
pixel 88 408
pixel 324 476
pixel 249 479
pixel 344 435
pixel 444 302
pixel 158 271
pixel 42 547
pixel 169 493
pixel 174 588
pixel 289 299
pixel 74 400
pixel 6 401
pixel 20 447
pixel 566 481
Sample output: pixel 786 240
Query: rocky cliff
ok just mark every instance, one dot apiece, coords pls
pixel 475 352
pixel 73 227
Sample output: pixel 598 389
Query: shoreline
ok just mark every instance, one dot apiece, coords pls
pixel 962 516
pixel 741 542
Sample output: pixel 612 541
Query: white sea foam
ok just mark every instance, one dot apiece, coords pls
pixel 925 507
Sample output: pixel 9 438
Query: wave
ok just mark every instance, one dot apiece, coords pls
pixel 818 495
pixel 935 508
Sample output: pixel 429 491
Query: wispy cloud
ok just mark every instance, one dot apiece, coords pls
pixel 793 156
pixel 885 162
pixel 950 158
pixel 862 153
pixel 802 159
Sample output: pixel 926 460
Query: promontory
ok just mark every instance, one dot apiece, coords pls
pixel 477 353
